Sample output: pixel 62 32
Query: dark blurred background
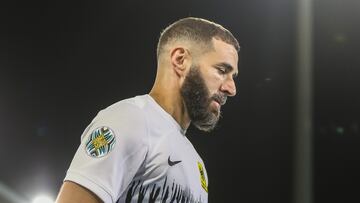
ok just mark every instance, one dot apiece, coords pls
pixel 63 61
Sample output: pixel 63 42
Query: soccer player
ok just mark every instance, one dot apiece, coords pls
pixel 136 150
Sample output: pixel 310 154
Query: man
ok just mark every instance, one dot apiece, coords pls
pixel 136 150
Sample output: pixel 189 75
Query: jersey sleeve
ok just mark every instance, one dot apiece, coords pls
pixel 111 151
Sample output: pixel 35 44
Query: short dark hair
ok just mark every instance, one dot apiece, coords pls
pixel 197 30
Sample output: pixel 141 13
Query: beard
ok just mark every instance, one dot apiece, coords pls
pixel 198 101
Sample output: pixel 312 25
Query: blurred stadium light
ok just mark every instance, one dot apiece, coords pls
pixel 8 194
pixel 303 115
pixel 43 199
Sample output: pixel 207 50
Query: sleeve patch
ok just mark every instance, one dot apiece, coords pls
pixel 100 142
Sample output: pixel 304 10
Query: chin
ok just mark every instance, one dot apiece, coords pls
pixel 215 111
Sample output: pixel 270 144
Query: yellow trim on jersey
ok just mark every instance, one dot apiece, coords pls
pixel 202 177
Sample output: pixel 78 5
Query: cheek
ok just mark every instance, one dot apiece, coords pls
pixel 213 83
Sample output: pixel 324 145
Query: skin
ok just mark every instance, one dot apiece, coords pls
pixel 218 68
pixel 71 192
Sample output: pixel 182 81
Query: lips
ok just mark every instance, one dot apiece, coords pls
pixel 217 103
pixel 219 100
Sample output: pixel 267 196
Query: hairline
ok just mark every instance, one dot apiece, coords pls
pixel 201 46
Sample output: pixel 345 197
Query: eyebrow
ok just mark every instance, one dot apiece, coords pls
pixel 227 67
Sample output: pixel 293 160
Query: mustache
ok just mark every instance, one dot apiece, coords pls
pixel 219 98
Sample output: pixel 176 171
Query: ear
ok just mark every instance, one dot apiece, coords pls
pixel 180 60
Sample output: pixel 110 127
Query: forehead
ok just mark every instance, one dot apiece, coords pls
pixel 222 53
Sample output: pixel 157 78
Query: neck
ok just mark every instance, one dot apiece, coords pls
pixel 172 103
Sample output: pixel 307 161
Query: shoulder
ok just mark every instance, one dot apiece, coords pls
pixel 126 118
pixel 128 108
pixel 129 112
pixel 112 149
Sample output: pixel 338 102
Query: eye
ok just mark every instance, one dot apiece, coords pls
pixel 222 71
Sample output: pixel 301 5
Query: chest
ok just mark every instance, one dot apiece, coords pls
pixel 173 169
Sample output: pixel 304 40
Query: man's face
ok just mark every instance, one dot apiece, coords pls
pixel 208 84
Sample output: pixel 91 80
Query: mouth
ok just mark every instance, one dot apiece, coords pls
pixel 217 103
pixel 215 107
pixel 220 102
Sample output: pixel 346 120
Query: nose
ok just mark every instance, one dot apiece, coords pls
pixel 229 87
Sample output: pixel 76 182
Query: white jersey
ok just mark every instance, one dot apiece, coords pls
pixel 134 151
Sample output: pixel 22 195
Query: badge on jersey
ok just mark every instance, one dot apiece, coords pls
pixel 202 177
pixel 100 142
